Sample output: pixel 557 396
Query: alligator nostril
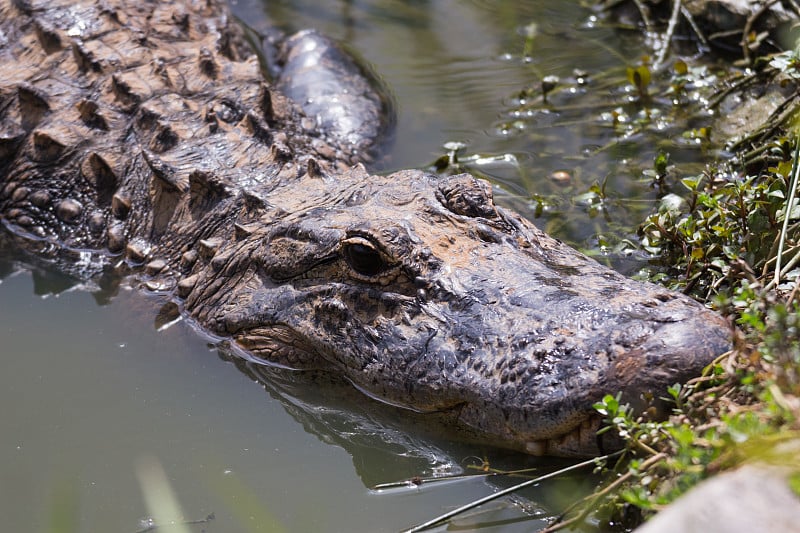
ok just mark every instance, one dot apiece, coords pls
pixel 487 234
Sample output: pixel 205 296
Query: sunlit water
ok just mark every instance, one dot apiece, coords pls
pixel 90 393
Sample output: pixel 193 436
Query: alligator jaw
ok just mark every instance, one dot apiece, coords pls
pixel 276 345
pixel 576 442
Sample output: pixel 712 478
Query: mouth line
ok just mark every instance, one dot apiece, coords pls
pixel 576 442
pixel 276 345
pixel 280 346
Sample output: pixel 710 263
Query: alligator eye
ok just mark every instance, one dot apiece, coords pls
pixel 364 258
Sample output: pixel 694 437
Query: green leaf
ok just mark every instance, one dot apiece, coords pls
pixel 639 77
pixel 660 163
pixel 794 483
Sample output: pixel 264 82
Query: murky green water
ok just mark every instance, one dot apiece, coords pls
pixel 91 393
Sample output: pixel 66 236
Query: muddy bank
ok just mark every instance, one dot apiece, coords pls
pixel 735 27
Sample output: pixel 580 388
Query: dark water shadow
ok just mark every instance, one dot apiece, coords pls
pixel 375 435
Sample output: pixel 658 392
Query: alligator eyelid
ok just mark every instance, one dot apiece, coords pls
pixel 369 242
pixel 364 258
pixel 365 239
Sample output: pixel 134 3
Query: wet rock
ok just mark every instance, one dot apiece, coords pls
pixel 752 498
pixel 742 113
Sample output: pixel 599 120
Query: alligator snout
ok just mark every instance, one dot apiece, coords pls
pixel 535 360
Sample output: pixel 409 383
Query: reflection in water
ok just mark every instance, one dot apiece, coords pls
pixel 104 390
pixel 336 414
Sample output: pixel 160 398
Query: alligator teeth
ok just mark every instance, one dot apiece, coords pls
pixel 116 238
pixel 137 252
pixel 155 266
pixel 97 221
pixel 219 261
pixel 188 259
pixel 155 285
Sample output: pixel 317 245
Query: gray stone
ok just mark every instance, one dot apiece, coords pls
pixel 750 499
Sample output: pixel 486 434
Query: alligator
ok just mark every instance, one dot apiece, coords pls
pixel 144 138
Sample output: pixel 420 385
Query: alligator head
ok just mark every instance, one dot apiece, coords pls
pixel 424 294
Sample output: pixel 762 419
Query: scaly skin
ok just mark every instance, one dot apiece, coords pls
pixel 143 137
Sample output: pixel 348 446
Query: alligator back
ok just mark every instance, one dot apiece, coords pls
pixel 118 119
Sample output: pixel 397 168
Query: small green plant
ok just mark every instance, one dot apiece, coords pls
pixel 640 77
pixel 726 233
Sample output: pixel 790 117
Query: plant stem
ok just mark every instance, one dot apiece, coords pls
pixel 455 512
